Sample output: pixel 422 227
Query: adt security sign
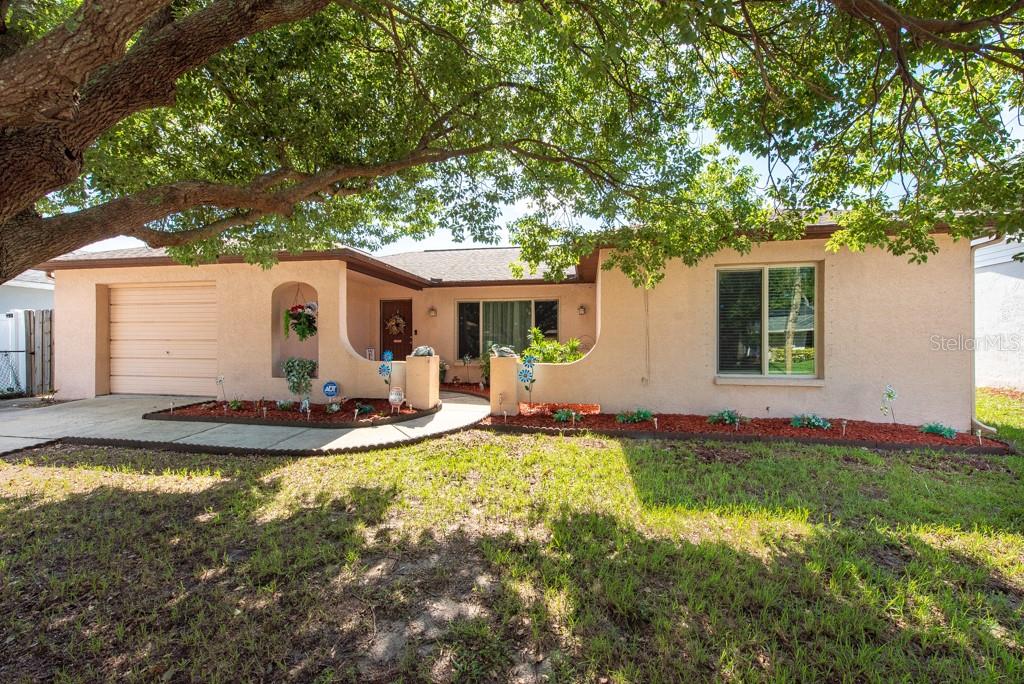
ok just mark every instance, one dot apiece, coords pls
pixel 330 389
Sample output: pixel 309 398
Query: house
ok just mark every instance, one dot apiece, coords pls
pixel 784 329
pixel 999 316
pixel 31 290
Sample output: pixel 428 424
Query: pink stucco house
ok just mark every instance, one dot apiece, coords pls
pixel 788 328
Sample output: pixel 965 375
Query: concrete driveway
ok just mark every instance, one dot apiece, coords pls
pixel 119 417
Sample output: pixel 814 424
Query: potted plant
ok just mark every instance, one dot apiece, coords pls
pixel 442 370
pixel 301 319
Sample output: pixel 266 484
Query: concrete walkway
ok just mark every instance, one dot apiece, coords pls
pixel 119 417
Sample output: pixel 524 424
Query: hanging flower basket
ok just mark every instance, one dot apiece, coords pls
pixel 301 319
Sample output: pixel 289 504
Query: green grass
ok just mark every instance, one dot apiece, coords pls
pixel 480 557
pixel 1003 411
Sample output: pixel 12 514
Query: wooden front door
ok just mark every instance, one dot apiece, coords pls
pixel 396 327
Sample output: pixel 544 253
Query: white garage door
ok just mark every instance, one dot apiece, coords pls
pixel 163 339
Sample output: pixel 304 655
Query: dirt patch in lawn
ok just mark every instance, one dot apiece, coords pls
pixel 352 413
pixel 541 416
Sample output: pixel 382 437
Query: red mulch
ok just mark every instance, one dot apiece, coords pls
pixel 1015 395
pixel 540 416
pixel 467 388
pixel 318 412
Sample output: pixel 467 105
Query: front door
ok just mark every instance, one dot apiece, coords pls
pixel 396 327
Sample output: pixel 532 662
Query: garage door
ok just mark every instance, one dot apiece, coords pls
pixel 163 339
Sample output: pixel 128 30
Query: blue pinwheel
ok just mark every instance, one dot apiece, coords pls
pixel 525 376
pixel 388 356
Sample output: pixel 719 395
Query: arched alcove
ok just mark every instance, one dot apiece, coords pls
pixel 287 295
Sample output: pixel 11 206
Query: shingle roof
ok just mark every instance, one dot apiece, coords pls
pixel 473 264
pixel 32 277
pixel 127 253
pixel 468 265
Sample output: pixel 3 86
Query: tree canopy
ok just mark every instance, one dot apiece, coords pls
pixel 254 126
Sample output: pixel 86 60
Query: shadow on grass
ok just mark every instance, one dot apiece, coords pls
pixel 215 583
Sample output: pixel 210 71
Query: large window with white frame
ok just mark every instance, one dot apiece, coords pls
pixel 507 323
pixel 768 320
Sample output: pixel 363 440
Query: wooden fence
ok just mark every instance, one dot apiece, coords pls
pixel 26 357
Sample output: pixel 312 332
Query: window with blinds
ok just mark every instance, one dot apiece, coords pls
pixel 767 321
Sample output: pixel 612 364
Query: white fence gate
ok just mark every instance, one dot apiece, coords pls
pixel 26 352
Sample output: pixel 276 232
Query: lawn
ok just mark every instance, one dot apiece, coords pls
pixel 1004 410
pixel 483 557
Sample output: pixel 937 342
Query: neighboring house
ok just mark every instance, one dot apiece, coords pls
pixel 30 290
pixel 787 328
pixel 999 316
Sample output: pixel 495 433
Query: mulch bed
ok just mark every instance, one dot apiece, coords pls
pixel 252 413
pixel 467 388
pixel 858 432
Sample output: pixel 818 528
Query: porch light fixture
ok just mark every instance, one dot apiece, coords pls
pixel 432 312
pixel 582 310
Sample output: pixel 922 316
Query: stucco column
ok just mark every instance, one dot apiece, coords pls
pixel 422 381
pixel 504 385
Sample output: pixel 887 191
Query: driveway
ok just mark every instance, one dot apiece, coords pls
pixel 119 417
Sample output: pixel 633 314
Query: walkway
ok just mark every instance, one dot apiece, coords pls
pixel 119 417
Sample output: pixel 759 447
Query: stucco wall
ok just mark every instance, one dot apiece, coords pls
pixel 999 325
pixel 244 326
pixel 881 316
pixel 439 331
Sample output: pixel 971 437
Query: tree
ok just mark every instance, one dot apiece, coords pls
pixel 260 125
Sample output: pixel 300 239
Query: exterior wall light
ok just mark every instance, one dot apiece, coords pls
pixel 582 310
pixel 432 312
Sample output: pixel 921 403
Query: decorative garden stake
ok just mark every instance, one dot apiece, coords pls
pixel 526 375
pixel 172 408
pixel 978 433
pixel 844 428
pixel 264 413
pixel 384 369
pixel 220 386
pixel 655 419
pixel 888 397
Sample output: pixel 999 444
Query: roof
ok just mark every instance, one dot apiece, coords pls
pixel 431 268
pixel 417 270
pixel 32 278
pixel 466 265
pixel 999 253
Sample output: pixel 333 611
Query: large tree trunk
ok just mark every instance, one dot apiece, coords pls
pixel 27 240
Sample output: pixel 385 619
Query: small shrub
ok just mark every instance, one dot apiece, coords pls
pixel 725 417
pixel 810 420
pixel 564 415
pixel 362 409
pixel 638 416
pixel 236 405
pixel 333 407
pixel 546 350
pixel 285 404
pixel 299 373
pixel 938 429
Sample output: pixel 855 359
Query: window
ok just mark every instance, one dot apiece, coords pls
pixel 767 329
pixel 505 323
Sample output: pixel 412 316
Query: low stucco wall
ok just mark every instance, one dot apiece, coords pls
pixel 244 327
pixel 882 323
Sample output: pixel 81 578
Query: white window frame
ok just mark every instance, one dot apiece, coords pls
pixel 765 356
pixel 480 304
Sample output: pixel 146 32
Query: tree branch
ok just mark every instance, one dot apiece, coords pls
pixel 40 81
